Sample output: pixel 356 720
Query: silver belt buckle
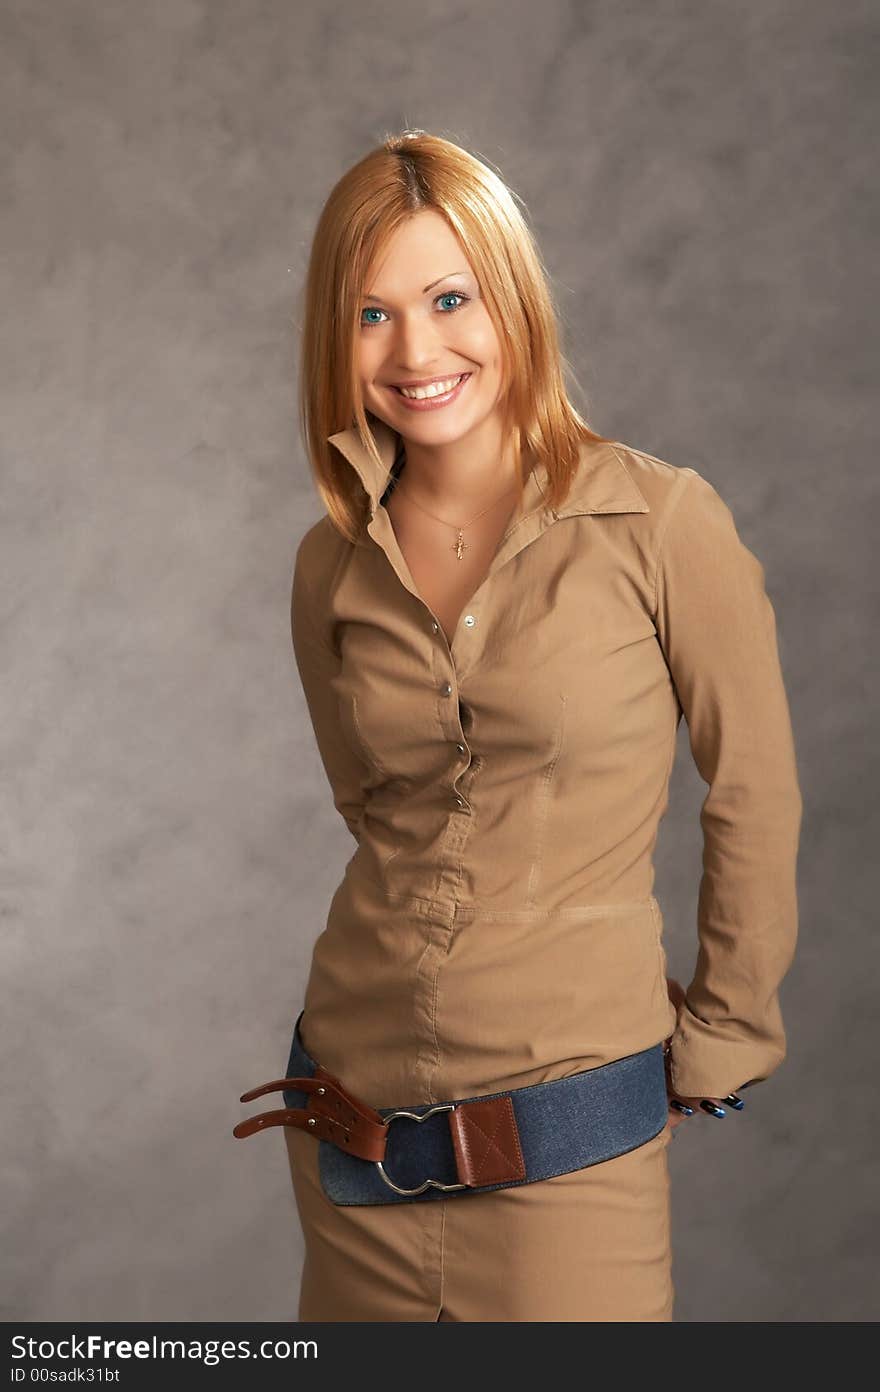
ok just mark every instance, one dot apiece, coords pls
pixel 436 1183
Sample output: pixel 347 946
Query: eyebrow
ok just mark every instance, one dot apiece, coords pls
pixel 427 287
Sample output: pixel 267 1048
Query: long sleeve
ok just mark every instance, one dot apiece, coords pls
pixel 717 629
pixel 318 665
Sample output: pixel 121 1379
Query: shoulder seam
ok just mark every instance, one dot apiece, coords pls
pixel 684 475
pixel 331 583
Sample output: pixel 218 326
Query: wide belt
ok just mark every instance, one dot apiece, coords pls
pixel 472 1144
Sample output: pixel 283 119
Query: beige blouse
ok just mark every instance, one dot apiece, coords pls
pixel 495 925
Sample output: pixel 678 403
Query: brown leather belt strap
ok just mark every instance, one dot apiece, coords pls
pixel 484 1132
pixel 333 1114
pixel 487 1142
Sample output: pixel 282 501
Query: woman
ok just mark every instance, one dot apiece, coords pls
pixel 498 626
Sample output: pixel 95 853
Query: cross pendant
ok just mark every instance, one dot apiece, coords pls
pixel 459 546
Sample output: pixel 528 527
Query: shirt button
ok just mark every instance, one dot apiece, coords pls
pixel 446 689
pixel 469 620
pixel 459 800
pixel 435 626
pixel 461 749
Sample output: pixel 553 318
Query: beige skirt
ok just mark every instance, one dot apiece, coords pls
pixel 591 1245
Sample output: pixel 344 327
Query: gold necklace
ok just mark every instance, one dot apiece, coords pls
pixel 459 546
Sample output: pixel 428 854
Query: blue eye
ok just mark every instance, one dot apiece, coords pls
pixel 454 295
pixel 447 295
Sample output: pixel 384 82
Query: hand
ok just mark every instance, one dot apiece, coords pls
pixel 692 1104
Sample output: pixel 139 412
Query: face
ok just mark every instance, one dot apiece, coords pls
pixel 423 319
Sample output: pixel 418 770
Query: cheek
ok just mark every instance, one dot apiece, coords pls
pixel 367 360
pixel 479 340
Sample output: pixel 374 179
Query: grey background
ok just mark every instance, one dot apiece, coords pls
pixel 698 175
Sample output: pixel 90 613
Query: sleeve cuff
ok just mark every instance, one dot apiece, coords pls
pixel 713 1060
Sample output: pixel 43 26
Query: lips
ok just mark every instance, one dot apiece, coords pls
pixel 437 400
pixel 454 378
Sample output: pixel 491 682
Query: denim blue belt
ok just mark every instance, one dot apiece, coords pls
pixel 475 1144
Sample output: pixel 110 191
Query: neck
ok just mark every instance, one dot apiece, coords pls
pixel 464 474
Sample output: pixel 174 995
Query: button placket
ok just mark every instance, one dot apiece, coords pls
pixel 460 802
pixel 446 690
pixel 462 751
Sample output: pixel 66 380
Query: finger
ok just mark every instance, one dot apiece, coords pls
pixel 681 1107
pixel 731 1100
pixel 716 1106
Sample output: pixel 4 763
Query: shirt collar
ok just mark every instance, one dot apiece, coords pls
pixel 602 483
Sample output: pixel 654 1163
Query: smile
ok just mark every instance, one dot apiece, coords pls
pixel 437 394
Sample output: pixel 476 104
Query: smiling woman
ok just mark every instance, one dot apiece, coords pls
pixel 498 627
pixel 409 291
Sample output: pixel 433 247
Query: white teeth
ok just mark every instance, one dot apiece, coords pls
pixel 435 389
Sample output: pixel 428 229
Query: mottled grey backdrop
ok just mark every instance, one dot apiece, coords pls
pixel 699 177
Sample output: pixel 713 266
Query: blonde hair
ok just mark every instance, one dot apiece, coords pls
pixel 404 174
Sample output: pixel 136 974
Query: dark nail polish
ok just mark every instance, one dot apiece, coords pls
pixel 733 1101
pixel 681 1106
pixel 711 1108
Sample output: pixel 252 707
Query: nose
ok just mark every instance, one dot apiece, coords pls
pixel 417 346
